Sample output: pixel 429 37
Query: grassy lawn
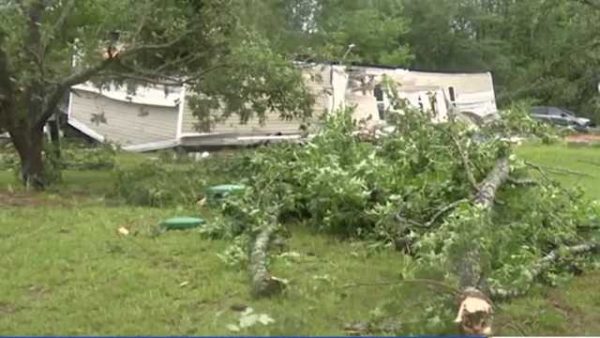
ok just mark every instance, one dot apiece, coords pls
pixel 582 159
pixel 66 271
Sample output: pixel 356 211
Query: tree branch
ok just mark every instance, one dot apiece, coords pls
pixel 544 264
pixel 60 22
pixel 444 210
pixel 141 78
pixel 557 170
pixel 87 73
pixel 33 50
pixel 466 163
pixel 143 48
pixel 65 84
pixel 140 27
pixel 521 181
pixel 149 75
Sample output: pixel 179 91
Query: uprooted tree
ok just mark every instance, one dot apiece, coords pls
pixel 46 47
pixel 454 197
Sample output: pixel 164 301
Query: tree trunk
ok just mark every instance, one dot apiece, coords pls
pixel 473 300
pixel 258 263
pixel 487 189
pixel 55 136
pixel 469 265
pixel 263 283
pixel 29 145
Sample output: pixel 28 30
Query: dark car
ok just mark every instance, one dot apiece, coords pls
pixel 561 117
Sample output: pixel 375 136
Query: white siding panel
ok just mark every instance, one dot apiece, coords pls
pixel 317 79
pixel 126 123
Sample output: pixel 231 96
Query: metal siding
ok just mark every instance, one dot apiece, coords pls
pixel 273 123
pixel 124 124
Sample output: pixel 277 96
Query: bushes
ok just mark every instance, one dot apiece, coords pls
pixel 170 181
pixel 341 185
pixel 159 184
pixel 79 157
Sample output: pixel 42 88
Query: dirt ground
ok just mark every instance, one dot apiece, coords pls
pixel 28 199
pixel 584 138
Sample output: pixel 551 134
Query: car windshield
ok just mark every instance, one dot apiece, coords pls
pixel 539 110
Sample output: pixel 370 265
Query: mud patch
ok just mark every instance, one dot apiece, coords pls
pixel 7 308
pixel 25 199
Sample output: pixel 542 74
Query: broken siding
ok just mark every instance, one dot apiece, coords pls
pixel 480 103
pixel 462 82
pixel 360 92
pixel 437 109
pixel 472 92
pixel 366 104
pixel 126 123
pixel 317 80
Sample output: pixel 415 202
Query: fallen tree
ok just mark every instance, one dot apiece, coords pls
pixel 475 309
pixel 263 282
pixel 454 198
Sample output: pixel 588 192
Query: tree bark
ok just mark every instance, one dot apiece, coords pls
pixel 55 136
pixel 263 283
pixel 29 146
pixel 487 189
pixel 469 266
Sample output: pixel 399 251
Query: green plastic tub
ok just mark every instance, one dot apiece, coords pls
pixel 181 223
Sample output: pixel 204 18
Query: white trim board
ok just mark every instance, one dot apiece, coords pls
pixel 143 95
pixel 151 146
pixel 181 111
pixel 278 137
pixel 86 130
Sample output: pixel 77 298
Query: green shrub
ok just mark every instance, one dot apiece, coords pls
pixel 169 181
pixel 342 185
pixel 77 157
pixel 158 184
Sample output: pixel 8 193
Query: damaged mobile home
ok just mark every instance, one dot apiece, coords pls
pixel 156 118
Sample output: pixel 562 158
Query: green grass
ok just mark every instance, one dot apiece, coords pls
pixel 581 159
pixel 66 271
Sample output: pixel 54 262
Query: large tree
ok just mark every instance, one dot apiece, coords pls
pixel 323 30
pixel 544 50
pixel 47 46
